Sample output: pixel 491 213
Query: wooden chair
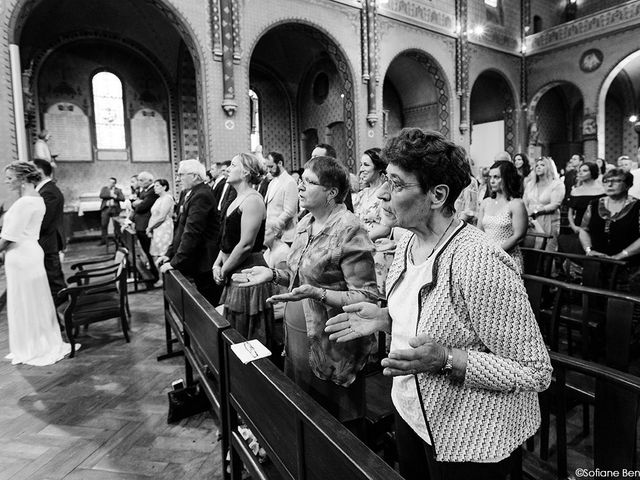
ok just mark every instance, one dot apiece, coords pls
pixel 616 404
pixel 98 262
pixel 301 439
pixel 104 298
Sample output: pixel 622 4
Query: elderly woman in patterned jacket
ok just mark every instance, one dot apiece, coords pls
pixel 466 353
pixel 330 265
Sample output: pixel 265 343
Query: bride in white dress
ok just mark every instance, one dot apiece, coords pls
pixel 34 334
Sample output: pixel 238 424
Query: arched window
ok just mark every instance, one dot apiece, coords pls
pixel 108 108
pixel 255 120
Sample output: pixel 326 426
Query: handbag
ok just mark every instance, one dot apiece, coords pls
pixel 185 402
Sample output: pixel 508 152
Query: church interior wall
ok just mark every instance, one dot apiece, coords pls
pixel 398 40
pixel 65 77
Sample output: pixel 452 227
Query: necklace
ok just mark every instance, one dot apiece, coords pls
pixel 411 257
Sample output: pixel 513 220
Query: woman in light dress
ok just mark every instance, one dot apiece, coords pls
pixel 160 227
pixel 543 195
pixel 366 204
pixel 34 333
pixel 502 215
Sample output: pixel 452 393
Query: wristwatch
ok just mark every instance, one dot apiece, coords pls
pixel 448 364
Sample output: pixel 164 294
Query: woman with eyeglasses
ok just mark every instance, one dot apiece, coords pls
pixel 467 357
pixel 611 224
pixel 330 265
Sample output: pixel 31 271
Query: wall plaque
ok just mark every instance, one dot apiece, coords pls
pixel 70 134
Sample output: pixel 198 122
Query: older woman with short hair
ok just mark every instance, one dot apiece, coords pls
pixel 330 265
pixel 611 224
pixel 466 353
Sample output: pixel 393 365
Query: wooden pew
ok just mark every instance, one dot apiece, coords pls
pixel 616 406
pixel 301 439
pixel 617 316
pixel 174 285
pixel 539 262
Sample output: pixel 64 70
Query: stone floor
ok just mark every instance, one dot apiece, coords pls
pixel 102 415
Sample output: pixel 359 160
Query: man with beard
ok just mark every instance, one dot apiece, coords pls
pixel 281 200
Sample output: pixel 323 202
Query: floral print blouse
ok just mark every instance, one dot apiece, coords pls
pixel 339 257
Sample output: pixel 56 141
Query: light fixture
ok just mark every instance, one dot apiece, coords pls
pixel 523 49
pixel 478 30
pixel 633 118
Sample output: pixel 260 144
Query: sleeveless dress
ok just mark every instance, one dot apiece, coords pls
pixel 499 228
pixel 162 234
pixel 246 308
pixel 34 334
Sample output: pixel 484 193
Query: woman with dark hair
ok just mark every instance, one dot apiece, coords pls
pixel 241 246
pixel 521 162
pixel 587 190
pixel 160 228
pixel 467 357
pixel 330 265
pixel 34 333
pixel 366 204
pixel 503 216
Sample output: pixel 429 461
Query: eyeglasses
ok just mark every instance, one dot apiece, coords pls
pixel 612 181
pixel 305 182
pixel 395 186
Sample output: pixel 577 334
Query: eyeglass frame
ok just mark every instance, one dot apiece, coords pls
pixel 305 182
pixel 398 187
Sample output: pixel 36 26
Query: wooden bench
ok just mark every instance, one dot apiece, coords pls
pixel 301 439
pixel 174 286
pixel 616 405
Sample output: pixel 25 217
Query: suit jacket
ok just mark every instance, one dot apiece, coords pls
pixel 282 206
pixel 218 187
pixel 105 195
pixel 52 238
pixel 196 238
pixel 142 213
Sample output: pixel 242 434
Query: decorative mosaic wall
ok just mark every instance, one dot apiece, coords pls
pixel 275 111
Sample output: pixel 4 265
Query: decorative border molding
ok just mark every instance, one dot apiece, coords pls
pixel 600 23
pixel 420 15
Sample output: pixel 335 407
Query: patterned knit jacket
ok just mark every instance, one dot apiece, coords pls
pixel 478 303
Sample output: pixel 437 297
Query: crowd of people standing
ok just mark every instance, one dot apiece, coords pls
pixel 394 250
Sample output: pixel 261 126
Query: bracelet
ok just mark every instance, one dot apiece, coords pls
pixel 447 368
pixel 276 276
pixel 323 296
pixel 625 252
pixel 587 249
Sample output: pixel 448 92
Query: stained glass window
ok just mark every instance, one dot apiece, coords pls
pixel 109 111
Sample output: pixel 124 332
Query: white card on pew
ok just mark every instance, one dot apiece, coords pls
pixel 250 351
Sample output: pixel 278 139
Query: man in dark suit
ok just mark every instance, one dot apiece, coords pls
pixel 197 235
pixel 111 197
pixel 141 216
pixel 52 238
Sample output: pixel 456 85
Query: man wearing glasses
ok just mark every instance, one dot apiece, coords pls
pixel 196 236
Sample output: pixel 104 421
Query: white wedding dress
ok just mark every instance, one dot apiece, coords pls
pixel 34 334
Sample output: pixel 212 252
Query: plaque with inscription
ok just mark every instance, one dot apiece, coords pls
pixel 149 138
pixel 70 133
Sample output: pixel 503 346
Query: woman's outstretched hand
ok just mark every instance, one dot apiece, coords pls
pixel 359 320
pixel 424 356
pixel 252 276
pixel 299 293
